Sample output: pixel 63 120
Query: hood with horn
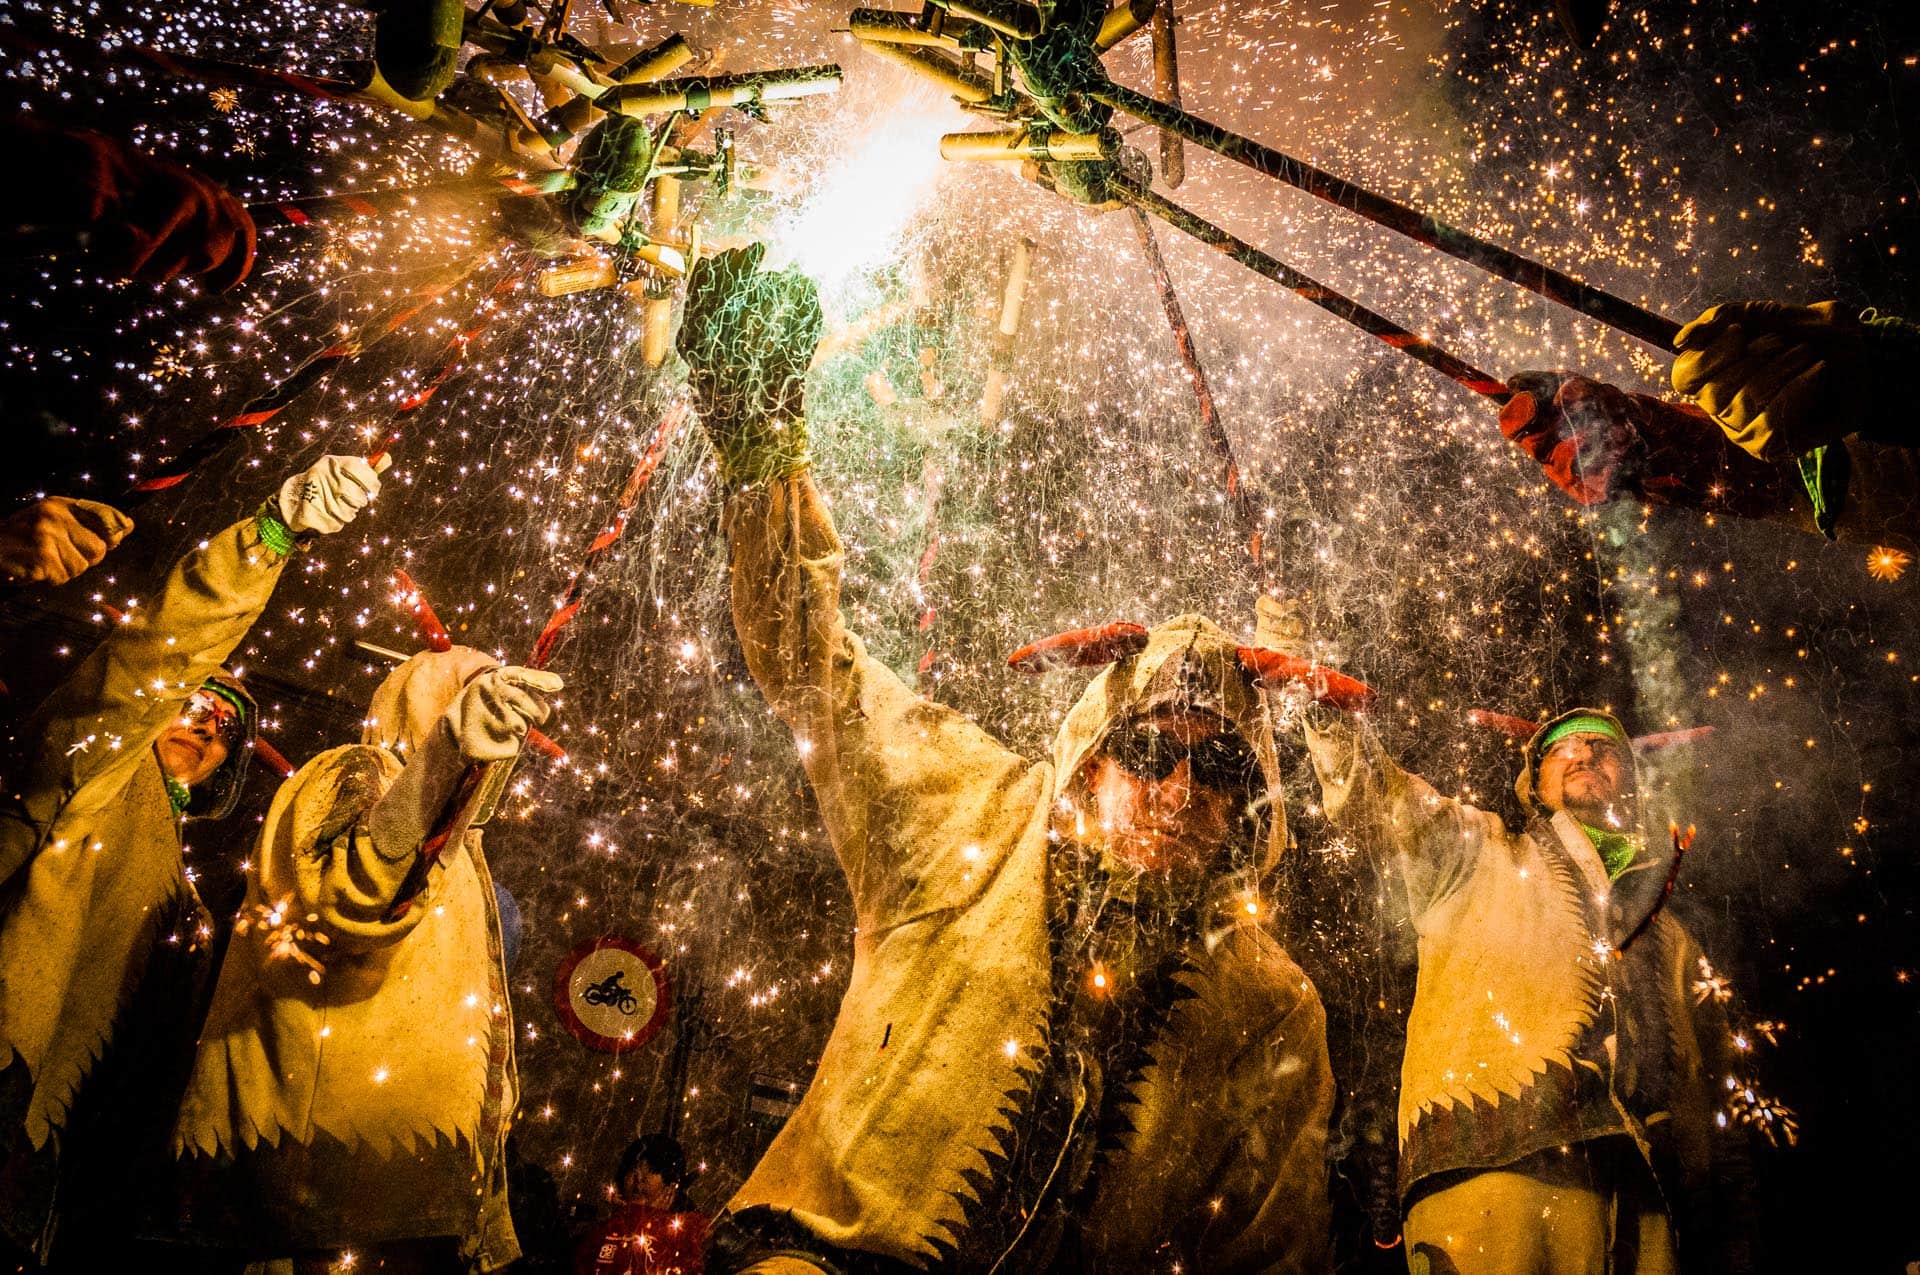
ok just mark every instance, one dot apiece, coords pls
pixel 1184 662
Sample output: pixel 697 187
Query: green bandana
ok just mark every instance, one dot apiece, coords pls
pixel 178 794
pixel 1616 849
pixel 1585 724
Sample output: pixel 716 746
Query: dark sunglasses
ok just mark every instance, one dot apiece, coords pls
pixel 1221 762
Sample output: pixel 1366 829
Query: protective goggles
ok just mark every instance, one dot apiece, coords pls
pixel 205 707
pixel 1222 762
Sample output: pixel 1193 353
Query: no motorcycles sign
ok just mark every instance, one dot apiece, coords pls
pixel 612 994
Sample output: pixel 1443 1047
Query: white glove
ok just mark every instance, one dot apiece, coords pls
pixel 325 498
pixel 54 540
pixel 493 713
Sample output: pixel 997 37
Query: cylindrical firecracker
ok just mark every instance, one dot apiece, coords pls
pixel 583 275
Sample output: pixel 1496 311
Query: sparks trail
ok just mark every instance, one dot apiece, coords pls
pixel 1376 325
pixel 1422 228
pixel 269 403
pixel 480 778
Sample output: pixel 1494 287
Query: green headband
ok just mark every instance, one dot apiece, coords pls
pixel 234 698
pixel 1584 724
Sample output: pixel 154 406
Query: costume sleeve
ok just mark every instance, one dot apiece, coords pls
pixel 906 787
pixel 318 861
pixel 85 740
pixel 1433 841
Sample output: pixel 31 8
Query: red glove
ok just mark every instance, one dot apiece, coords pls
pixel 141 217
pixel 1597 443
pixel 1580 431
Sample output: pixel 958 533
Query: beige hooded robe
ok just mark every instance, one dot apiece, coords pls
pixel 91 877
pixel 354 1079
pixel 1526 1033
pixel 943 1109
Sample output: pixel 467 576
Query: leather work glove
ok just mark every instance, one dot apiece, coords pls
pixel 54 540
pixel 322 500
pixel 748 337
pixel 493 713
pixel 1783 380
pixel 1580 431
pixel 1598 442
pixel 487 722
pixel 141 217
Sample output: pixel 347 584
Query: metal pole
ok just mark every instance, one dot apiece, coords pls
pixel 1408 343
pixel 1615 312
pixel 1202 391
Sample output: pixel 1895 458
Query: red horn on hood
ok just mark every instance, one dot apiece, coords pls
pixel 1082 648
pixel 1668 738
pixel 432 632
pixel 272 758
pixel 1271 670
pixel 1518 729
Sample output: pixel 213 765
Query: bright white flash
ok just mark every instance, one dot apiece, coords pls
pixel 881 171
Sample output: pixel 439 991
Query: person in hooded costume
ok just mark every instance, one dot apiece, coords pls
pixel 1067 1042
pixel 1559 1096
pixel 98 919
pixel 354 1080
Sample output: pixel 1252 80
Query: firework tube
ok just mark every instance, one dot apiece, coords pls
pixel 1166 83
pixel 483 782
pixel 1408 343
pixel 272 758
pixel 1081 648
pixel 425 621
pixel 1682 842
pixel 1518 729
pixel 1202 391
pixel 1671 738
pixel 1038 143
pixel 461 342
pixel 568 118
pixel 705 92
pixel 1013 301
pixel 637 480
pixel 890 26
pixel 1272 670
pixel 961 80
pixel 656 321
pixel 1009 17
pixel 1615 312
pixel 1123 20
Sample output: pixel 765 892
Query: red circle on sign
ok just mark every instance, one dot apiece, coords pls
pixel 593 1007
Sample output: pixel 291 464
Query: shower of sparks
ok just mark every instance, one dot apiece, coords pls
pixel 1438 563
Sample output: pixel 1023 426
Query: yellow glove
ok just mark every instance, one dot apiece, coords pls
pixel 1781 380
pixel 1784 381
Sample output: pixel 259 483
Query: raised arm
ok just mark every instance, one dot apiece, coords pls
pixel 907 788
pixel 84 740
pixel 343 835
pixel 1433 841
